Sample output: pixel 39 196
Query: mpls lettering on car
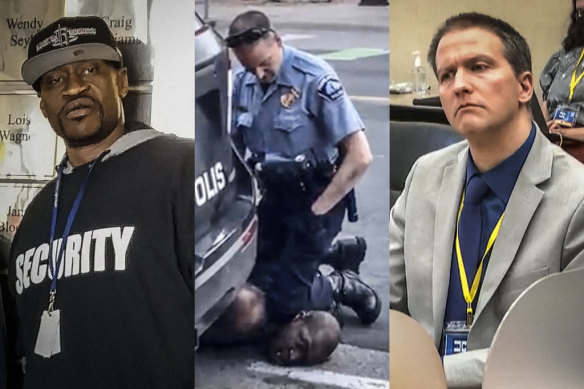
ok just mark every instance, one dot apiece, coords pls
pixel 209 184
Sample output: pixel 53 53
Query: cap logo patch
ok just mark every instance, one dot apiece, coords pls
pixel 63 36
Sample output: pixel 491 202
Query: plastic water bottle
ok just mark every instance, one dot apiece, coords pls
pixel 419 84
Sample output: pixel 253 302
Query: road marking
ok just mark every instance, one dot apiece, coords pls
pixel 351 54
pixel 320 377
pixel 371 99
pixel 295 37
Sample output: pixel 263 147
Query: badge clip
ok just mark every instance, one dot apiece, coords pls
pixel 469 315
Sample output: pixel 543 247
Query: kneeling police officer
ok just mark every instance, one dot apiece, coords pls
pixel 308 149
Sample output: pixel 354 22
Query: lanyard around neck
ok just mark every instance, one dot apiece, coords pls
pixel 576 80
pixel 469 294
pixel 70 218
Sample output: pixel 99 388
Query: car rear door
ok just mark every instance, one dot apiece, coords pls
pixel 224 189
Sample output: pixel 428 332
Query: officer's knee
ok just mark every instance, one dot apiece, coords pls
pixel 241 321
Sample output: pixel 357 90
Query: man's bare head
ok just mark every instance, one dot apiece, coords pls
pixel 244 23
pixel 256 45
pixel 309 339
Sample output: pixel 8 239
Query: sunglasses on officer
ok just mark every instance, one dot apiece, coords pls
pixel 248 36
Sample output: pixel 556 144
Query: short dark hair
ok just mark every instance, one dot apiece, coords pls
pixel 248 20
pixel 248 28
pixel 574 37
pixel 515 47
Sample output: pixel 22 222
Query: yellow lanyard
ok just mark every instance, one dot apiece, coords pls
pixel 469 295
pixel 575 81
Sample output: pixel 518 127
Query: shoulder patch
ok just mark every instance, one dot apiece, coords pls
pixel 330 88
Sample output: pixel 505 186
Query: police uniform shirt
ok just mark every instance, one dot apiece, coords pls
pixel 305 107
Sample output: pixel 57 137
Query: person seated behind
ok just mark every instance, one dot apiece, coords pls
pixel 560 81
pixel 479 221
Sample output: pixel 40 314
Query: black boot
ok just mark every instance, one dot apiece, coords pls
pixel 346 254
pixel 350 290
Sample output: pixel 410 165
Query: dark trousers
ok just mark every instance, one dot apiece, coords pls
pixel 292 242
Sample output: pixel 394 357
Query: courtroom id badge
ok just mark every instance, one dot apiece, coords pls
pixel 454 337
pixel 566 116
pixel 48 341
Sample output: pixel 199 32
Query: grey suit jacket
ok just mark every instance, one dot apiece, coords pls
pixel 542 232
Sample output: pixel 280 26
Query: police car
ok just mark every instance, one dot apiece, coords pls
pixel 225 191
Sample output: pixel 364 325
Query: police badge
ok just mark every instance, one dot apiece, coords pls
pixel 288 98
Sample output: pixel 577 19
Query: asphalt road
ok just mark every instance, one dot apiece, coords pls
pixel 360 44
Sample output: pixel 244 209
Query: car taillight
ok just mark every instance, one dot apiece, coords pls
pixel 250 233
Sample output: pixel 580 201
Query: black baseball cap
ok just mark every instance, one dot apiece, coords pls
pixel 67 40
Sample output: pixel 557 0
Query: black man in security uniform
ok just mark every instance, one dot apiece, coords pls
pixel 102 265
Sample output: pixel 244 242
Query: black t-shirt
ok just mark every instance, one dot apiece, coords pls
pixel 125 294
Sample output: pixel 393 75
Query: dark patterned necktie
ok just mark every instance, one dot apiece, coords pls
pixel 469 226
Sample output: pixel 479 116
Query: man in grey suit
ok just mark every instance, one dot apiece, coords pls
pixel 524 198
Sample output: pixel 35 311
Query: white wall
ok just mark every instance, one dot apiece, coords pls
pixel 172 35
